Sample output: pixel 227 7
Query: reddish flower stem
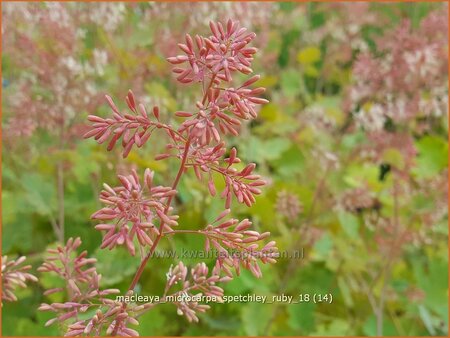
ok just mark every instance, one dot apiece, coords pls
pixel 141 267
pixel 161 226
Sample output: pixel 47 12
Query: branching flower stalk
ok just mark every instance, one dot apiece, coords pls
pixel 162 223
pixel 14 274
pixel 140 213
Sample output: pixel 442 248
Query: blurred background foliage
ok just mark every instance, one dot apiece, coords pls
pixel 358 186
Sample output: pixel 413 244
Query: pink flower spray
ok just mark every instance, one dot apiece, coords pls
pixel 140 213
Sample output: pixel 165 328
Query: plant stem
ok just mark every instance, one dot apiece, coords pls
pixel 60 186
pixel 141 267
pixel 60 183
pixel 161 226
pixel 388 267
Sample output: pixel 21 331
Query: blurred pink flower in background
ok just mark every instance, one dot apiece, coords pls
pixel 14 275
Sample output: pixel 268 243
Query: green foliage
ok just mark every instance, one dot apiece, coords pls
pixel 433 156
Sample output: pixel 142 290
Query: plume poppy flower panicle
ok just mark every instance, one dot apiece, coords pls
pixel 84 294
pixel 238 246
pixel 14 274
pixel 142 214
pixel 199 283
pixel 134 129
pixel 222 53
pixel 140 206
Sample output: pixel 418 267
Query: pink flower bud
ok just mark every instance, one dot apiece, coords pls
pixel 183 114
pixel 130 101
